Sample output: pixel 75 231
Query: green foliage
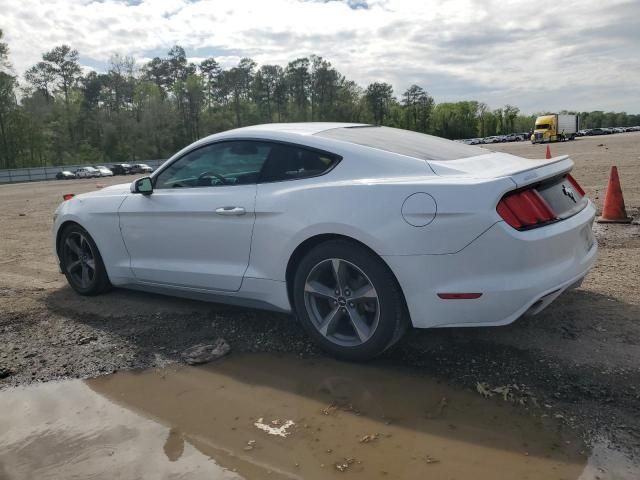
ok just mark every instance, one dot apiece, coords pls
pixel 379 97
pixel 418 107
pixel 4 51
pixel 11 119
pixel 131 113
pixel 62 64
pixel 456 120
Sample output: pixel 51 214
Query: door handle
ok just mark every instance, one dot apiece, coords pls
pixel 230 211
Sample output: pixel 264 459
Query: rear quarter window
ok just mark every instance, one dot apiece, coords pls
pixel 292 162
pixel 404 142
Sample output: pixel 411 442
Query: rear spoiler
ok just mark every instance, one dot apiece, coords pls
pixel 553 167
pixel 523 171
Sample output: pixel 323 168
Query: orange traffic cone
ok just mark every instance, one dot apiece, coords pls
pixel 548 153
pixel 613 210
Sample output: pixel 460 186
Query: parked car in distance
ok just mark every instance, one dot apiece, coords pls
pixel 104 171
pixel 65 175
pixel 598 131
pixel 141 168
pixel 87 172
pixel 493 139
pixel 513 137
pixel 584 132
pixel 337 223
pixel 121 169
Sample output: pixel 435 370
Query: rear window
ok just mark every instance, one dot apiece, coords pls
pixel 404 142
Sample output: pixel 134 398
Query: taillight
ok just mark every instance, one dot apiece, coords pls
pixel 68 196
pixel 524 209
pixel 574 183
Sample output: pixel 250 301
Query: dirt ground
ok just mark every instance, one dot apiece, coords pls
pixel 580 358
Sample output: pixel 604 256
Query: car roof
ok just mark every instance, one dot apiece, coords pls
pixel 359 135
pixel 271 130
pixel 302 128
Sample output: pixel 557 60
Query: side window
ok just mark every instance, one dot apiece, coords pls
pixel 219 164
pixel 289 162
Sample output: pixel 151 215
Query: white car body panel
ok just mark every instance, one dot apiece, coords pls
pixel 175 237
pixel 173 241
pixel 97 212
pixel 549 260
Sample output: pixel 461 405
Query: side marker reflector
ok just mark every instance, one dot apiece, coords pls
pixel 459 296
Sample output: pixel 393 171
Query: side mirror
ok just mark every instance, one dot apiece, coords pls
pixel 142 185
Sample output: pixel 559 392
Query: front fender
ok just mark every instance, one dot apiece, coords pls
pixel 98 215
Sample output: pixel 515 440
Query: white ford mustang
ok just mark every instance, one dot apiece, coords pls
pixel 360 230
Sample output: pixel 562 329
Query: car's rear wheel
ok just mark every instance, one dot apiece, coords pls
pixel 81 262
pixel 348 300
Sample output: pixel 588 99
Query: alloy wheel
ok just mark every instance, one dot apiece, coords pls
pixel 79 259
pixel 342 302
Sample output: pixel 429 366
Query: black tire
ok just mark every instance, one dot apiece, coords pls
pixel 75 263
pixel 392 320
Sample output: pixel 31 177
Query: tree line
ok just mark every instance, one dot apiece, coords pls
pixel 59 115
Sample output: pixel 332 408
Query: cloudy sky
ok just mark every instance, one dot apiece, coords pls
pixel 538 55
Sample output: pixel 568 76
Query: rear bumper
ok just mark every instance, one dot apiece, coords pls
pixel 517 273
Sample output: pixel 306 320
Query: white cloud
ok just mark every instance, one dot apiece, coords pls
pixel 545 55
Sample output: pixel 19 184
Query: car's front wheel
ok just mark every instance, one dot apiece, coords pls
pixel 81 262
pixel 348 300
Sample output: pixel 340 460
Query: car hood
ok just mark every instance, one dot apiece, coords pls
pixel 120 189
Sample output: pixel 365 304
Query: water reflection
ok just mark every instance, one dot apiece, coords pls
pixel 356 420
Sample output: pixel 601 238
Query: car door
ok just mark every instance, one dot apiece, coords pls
pixel 194 231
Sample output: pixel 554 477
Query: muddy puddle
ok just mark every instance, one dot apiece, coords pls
pixel 259 416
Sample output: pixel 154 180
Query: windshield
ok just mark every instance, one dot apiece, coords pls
pixel 542 126
pixel 404 142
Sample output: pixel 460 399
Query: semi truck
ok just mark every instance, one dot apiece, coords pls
pixel 555 128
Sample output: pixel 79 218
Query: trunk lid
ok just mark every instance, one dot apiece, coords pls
pixel 523 171
pixel 562 196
